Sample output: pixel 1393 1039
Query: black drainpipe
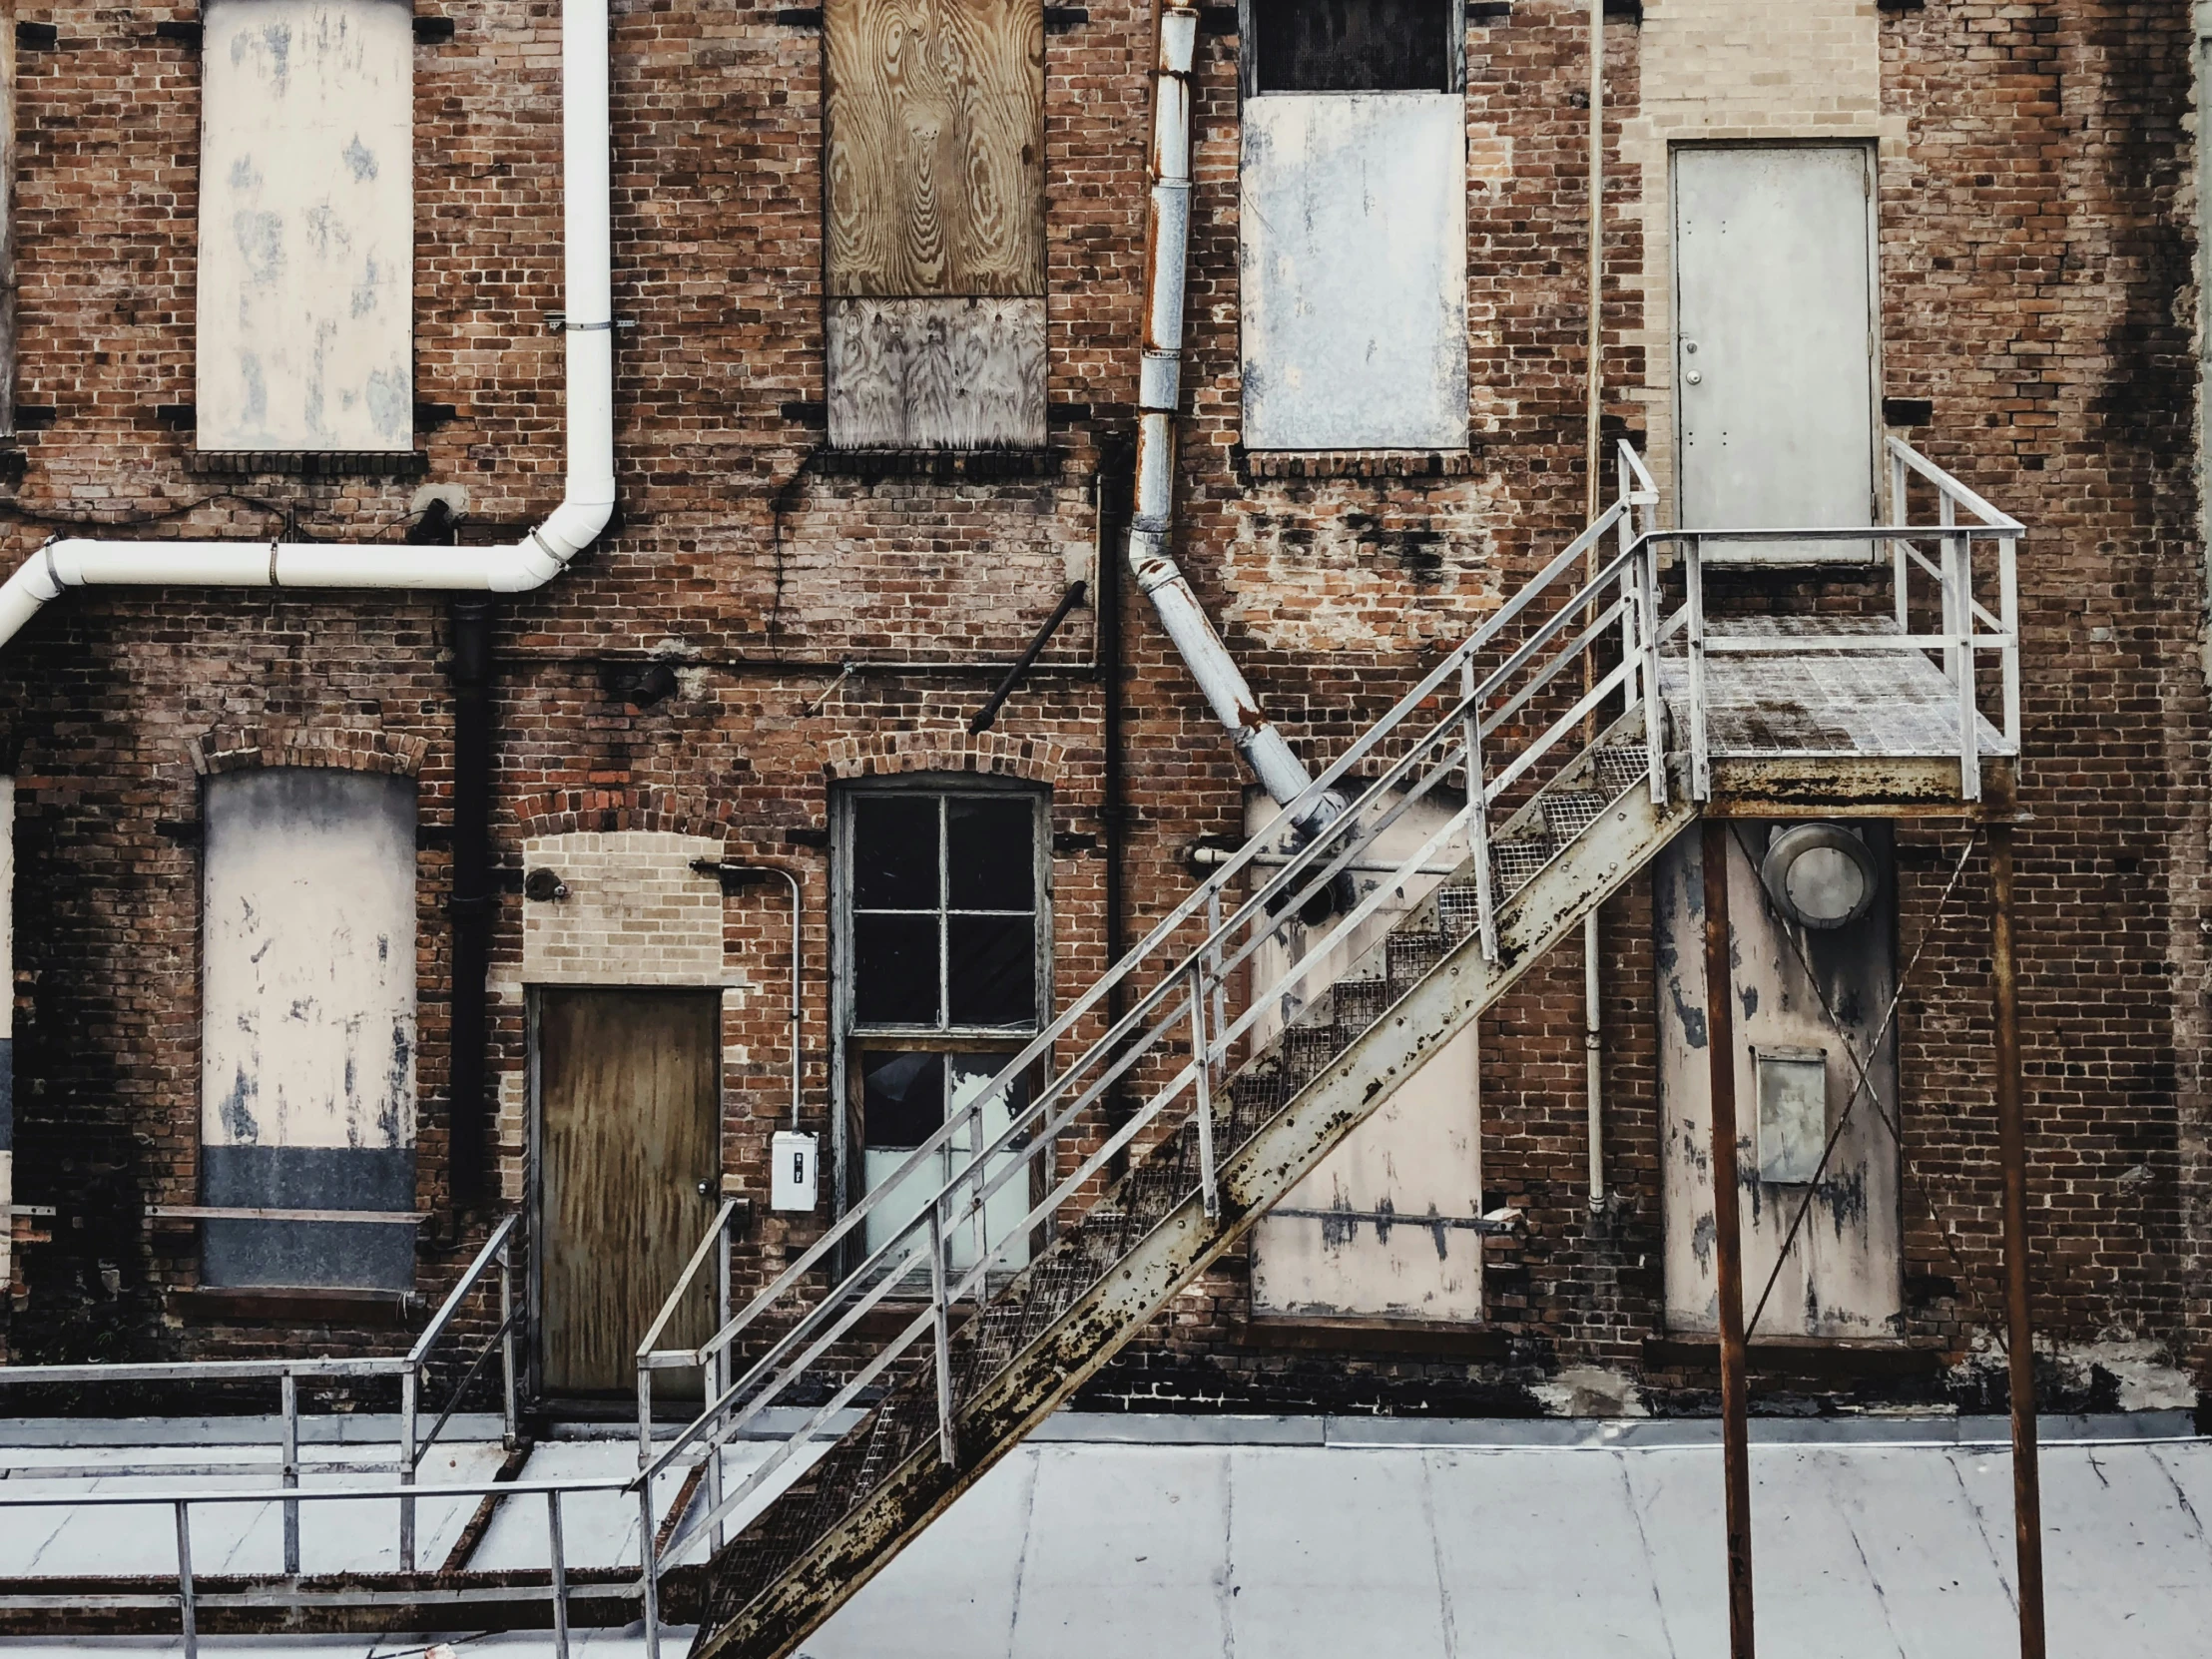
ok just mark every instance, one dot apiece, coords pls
pixel 467 1125
pixel 1113 484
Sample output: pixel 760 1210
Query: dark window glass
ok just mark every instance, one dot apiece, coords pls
pixel 1354 45
pixel 895 852
pixel 993 862
pixel 894 970
pixel 992 970
pixel 902 1098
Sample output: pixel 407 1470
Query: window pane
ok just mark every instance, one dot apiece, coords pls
pixel 1354 45
pixel 992 853
pixel 895 852
pixel 993 970
pixel 901 1098
pixel 894 970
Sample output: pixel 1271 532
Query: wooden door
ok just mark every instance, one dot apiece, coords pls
pixel 628 1108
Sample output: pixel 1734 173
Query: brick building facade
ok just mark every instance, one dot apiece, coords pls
pixel 833 615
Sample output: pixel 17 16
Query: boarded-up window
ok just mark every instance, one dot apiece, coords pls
pixel 307 1026
pixel 935 198
pixel 307 226
pixel 1352 266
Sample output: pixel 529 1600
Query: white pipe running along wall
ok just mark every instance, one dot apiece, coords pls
pixel 1159 388
pixel 518 567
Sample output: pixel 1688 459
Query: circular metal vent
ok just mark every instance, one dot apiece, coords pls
pixel 1821 874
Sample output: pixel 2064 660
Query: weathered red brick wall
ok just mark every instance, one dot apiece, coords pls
pixel 2035 268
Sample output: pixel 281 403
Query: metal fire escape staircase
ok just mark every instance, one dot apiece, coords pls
pixel 1551 757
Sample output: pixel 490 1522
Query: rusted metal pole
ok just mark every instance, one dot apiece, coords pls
pixel 2019 1337
pixel 1728 1250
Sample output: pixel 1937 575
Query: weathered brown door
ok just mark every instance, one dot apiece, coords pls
pixel 627 1093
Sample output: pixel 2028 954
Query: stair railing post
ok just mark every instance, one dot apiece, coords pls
pixel 409 1385
pixel 187 1606
pixel 649 1571
pixel 1201 1086
pixel 291 1390
pixel 1900 573
pixel 1655 708
pixel 556 1555
pixel 1213 961
pixel 509 1429
pixel 2008 615
pixel 941 1334
pixel 1478 813
pixel 1701 762
pixel 1959 561
pixel 718 1376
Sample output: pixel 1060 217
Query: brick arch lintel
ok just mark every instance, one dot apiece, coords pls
pixel 945 749
pixel 602 809
pixel 345 749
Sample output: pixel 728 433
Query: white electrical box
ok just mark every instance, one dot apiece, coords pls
pixel 794 1170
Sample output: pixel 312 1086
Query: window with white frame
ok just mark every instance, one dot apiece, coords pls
pixel 943 936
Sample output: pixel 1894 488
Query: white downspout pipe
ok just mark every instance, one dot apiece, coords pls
pixel 517 567
pixel 1159 386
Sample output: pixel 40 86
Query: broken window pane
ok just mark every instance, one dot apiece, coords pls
pixel 894 970
pixel 992 857
pixel 901 1098
pixel 1354 45
pixel 991 970
pixel 895 852
pixel 1793 1112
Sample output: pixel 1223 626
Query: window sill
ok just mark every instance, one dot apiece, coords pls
pixel 306 463
pixel 1805 1358
pixel 1354 463
pixel 872 465
pixel 281 1304
pixel 1418 1337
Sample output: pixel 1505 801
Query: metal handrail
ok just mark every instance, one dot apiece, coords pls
pixel 410 1369
pixel 650 1561
pixel 1189 978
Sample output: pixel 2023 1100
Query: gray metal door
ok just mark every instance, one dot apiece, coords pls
pixel 1775 340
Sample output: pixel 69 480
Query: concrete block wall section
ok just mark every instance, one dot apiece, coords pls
pixel 2034 251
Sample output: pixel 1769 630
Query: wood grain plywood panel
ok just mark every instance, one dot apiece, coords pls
pixel 628 1102
pixel 936 125
pixel 936 373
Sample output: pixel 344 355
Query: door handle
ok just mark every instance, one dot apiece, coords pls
pixel 706 1189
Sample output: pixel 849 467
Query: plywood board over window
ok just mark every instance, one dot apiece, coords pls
pixel 308 1026
pixel 1353 224
pixel 936 232
pixel 306 226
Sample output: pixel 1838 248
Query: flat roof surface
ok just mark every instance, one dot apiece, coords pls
pixel 1316 1539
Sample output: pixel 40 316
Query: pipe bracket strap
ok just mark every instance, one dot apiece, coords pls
pixel 53 571
pixel 1160 380
pixel 273 547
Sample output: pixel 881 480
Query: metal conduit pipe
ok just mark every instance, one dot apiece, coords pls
pixel 1593 1037
pixel 517 567
pixel 1159 388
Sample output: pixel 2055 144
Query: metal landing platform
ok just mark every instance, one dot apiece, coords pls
pixel 1815 702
